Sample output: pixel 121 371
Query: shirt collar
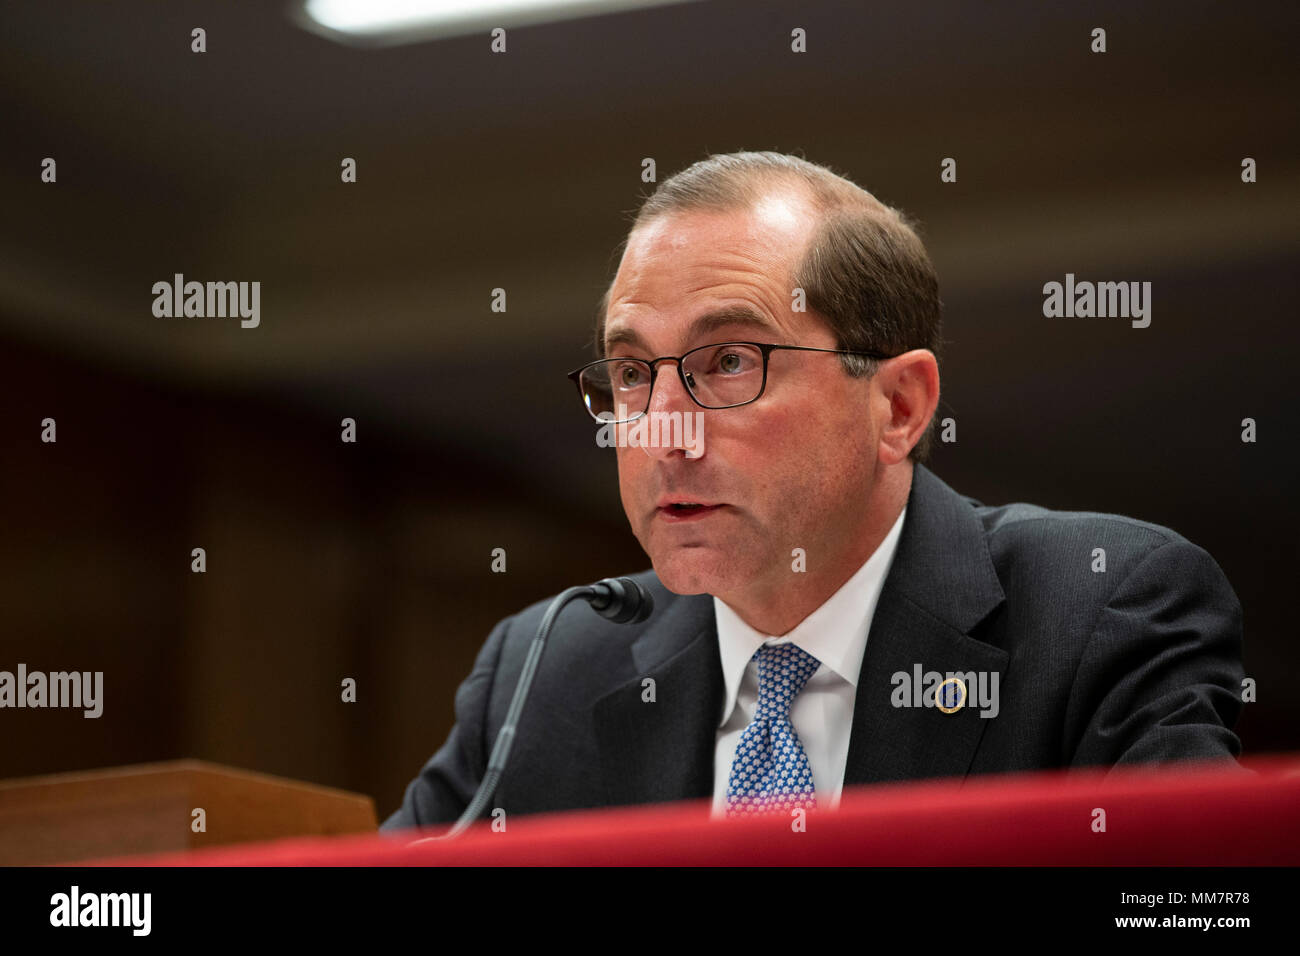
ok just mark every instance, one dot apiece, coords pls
pixel 835 633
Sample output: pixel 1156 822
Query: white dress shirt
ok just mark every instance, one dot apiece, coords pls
pixel 822 713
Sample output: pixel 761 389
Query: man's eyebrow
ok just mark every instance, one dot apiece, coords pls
pixel 732 315
pixel 702 325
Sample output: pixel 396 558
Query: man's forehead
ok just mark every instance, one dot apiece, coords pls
pixel 775 220
pixel 733 316
pixel 689 247
pixel 686 257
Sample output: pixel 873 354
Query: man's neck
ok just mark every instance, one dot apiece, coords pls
pixel 776 608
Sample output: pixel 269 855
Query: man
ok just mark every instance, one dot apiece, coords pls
pixel 827 611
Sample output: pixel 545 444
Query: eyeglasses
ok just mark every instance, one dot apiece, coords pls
pixel 722 375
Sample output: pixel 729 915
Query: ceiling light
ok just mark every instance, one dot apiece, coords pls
pixel 389 22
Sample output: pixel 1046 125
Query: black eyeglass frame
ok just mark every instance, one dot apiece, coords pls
pixel 766 348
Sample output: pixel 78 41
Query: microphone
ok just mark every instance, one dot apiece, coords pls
pixel 620 600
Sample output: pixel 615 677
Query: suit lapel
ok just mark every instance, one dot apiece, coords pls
pixel 941 584
pixel 660 751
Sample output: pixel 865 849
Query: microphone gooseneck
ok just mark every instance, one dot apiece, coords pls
pixel 620 600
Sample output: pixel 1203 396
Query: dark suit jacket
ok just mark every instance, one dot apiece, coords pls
pixel 1141 662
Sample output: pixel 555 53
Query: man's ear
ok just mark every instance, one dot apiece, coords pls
pixel 910 385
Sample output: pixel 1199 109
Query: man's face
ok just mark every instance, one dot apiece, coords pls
pixel 792 470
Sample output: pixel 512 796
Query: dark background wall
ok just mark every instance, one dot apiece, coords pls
pixel 372 560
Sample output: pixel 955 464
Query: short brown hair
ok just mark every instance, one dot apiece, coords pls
pixel 865 268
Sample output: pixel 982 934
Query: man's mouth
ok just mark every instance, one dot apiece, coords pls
pixel 686 510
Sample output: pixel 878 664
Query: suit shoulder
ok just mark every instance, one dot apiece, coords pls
pixel 1019 533
pixel 1028 520
pixel 1059 570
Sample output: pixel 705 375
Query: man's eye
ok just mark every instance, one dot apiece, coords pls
pixel 629 376
pixel 730 363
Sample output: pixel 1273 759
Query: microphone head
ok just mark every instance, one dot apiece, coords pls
pixel 621 600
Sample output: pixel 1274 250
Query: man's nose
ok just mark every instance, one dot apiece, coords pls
pixel 674 423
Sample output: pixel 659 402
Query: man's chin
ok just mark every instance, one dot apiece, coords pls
pixel 694 571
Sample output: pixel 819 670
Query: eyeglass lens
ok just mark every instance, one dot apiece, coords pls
pixel 717 376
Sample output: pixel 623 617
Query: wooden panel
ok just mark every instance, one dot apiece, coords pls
pixel 147 808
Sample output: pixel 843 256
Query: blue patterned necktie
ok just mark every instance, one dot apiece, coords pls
pixel 770 772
